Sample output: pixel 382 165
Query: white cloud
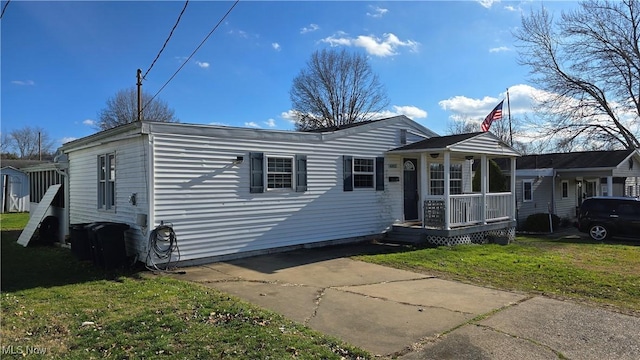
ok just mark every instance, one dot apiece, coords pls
pixel 522 99
pixel 499 49
pixel 512 8
pixel 378 12
pixel 487 3
pixel 251 124
pixel 202 64
pixel 270 123
pixel 67 139
pixel 387 46
pixel 89 122
pixel 411 112
pixel 289 115
pixel 311 28
pixel 23 82
pixel 275 46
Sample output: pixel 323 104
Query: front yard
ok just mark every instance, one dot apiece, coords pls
pixel 607 274
pixel 56 306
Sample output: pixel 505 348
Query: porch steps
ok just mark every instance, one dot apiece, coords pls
pixel 405 234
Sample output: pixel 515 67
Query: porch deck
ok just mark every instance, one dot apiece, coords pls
pixel 414 233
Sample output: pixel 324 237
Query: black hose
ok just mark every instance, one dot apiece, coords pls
pixel 162 244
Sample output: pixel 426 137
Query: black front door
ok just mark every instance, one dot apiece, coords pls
pixel 410 189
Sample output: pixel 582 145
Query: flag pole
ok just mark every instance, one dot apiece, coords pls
pixel 509 111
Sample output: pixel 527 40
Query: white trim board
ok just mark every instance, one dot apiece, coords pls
pixel 38 215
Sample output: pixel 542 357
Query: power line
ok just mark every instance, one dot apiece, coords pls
pixel 4 8
pixel 167 40
pixel 193 53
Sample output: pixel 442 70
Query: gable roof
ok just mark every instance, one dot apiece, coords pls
pixel 437 142
pixel 148 127
pixel 574 160
pixel 341 127
pixel 469 143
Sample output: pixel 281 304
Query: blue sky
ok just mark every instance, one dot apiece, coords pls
pixel 438 60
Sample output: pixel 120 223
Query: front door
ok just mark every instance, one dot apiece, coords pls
pixel 411 197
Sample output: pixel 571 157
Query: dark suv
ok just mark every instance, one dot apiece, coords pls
pixel 604 217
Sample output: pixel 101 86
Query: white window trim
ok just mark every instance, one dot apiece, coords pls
pixel 354 173
pixel 266 173
pixel 524 199
pixel 104 203
pixel 561 189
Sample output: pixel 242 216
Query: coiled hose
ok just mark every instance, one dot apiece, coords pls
pixel 162 244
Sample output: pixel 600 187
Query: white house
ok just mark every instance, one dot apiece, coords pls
pixel 15 190
pixel 558 182
pixel 230 192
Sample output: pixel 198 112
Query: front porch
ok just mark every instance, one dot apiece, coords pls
pixel 441 205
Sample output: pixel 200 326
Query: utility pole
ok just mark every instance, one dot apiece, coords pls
pixel 139 83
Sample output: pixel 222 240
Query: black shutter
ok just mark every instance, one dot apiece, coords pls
pixel 257 172
pixel 348 173
pixel 301 173
pixel 379 174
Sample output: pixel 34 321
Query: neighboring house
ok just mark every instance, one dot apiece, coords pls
pixel 231 192
pixel 558 182
pixel 15 190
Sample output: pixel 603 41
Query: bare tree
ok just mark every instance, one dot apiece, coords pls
pixel 29 142
pixel 336 88
pixel 123 109
pixel 588 64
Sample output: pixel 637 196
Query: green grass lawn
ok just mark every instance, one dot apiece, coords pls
pixel 13 221
pixel 69 309
pixel 579 269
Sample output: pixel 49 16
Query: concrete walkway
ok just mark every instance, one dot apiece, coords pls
pixel 391 312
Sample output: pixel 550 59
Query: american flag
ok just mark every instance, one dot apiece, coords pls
pixel 495 114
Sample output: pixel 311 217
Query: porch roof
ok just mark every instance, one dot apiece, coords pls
pixel 469 143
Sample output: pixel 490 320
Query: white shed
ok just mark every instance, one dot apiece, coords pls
pixel 15 190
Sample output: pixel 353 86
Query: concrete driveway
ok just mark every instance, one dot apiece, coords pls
pixel 396 313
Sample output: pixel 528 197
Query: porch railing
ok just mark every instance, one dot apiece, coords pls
pixel 467 209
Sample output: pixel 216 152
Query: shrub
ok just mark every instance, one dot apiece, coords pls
pixel 540 222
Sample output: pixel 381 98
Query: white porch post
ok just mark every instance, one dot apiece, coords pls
pixel 609 185
pixel 447 191
pixel 423 185
pixel 513 189
pixel 483 187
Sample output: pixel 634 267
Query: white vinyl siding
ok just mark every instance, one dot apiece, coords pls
pixel 131 175
pixel 214 213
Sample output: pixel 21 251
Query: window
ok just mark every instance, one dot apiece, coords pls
pixel 363 173
pixel 527 190
pixel 403 136
pixel 436 179
pixel 279 172
pixel 455 179
pixel 565 188
pixel 106 181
